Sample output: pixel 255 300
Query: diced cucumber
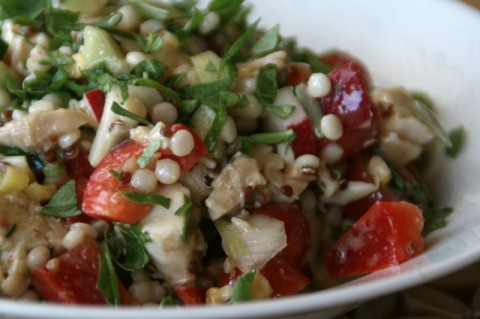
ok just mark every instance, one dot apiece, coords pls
pixel 207 66
pixel 202 120
pixel 100 47
pixel 87 8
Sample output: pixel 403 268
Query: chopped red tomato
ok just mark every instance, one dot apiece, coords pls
pixel 387 235
pixel 190 295
pixel 306 141
pixel 296 229
pixel 96 102
pixel 101 197
pixel 73 280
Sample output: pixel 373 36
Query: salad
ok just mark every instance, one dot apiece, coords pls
pixel 167 154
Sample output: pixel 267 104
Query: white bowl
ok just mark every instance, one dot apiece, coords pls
pixel 427 45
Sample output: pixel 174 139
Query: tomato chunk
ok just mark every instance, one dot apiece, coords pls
pixel 74 280
pixel 102 200
pixel 296 229
pixel 190 295
pixel 387 235
pixel 306 141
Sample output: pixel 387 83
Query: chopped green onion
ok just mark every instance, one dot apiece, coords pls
pixel 267 85
pixel 457 139
pixel 267 43
pixel 117 109
pixel 146 199
pixel 148 153
pixel 281 111
pixel 189 223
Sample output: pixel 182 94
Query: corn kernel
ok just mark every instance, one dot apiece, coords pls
pixel 39 192
pixel 261 288
pixel 13 180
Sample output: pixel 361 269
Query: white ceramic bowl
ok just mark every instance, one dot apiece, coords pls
pixel 428 45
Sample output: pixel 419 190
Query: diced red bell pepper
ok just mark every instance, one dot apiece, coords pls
pixel 296 230
pixel 387 235
pixel 306 141
pixel 74 279
pixel 190 295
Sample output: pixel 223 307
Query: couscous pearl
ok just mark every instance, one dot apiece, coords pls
pixel 37 257
pixel 332 153
pixel 150 26
pixel 67 140
pixel 229 130
pixel 131 19
pixel 164 112
pixel 73 238
pixel 318 85
pixel 182 143
pixel 89 230
pixel 135 57
pixel 142 291
pixel 210 22
pixel 331 126
pixel 135 106
pixel 144 180
pixel 308 161
pixel 41 106
pixel 167 171
pixel 57 102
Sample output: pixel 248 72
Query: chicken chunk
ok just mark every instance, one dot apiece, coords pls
pixel 39 131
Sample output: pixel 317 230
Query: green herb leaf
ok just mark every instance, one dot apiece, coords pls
pixel 117 109
pixel 59 59
pixel 167 93
pixel 151 43
pixel 237 45
pixel 134 255
pixel 118 175
pixel 267 85
pixel 151 69
pixel 25 8
pixel 64 203
pixel 149 10
pixel 186 109
pixel 58 19
pixel 204 90
pixel 457 139
pixel 281 111
pixel 189 220
pixel 34 161
pixel 305 56
pixel 107 277
pixel 227 9
pixel 435 218
pixel 148 153
pixel 243 287
pixel 270 138
pixel 210 67
pixel 267 43
pixel 110 21
pixel 167 302
pixel 146 199
pixel 196 19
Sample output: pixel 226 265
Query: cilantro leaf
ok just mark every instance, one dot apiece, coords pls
pixel 457 138
pixel 204 90
pixel 146 199
pixel 267 43
pixel 243 287
pixel 64 203
pixel 267 85
pixel 189 223
pixel 26 8
pixel 151 69
pixel 107 277
pixel 133 253
pixel 148 153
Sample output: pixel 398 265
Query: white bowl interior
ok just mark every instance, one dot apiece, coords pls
pixel 427 45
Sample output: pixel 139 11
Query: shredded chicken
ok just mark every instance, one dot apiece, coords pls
pixel 229 187
pixel 40 130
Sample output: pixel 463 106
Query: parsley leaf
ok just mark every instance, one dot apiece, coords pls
pixel 151 69
pixel 107 276
pixel 267 43
pixel 457 138
pixel 148 153
pixel 189 220
pixel 267 85
pixel 146 199
pixel 26 8
pixel 132 249
pixel 64 203
pixel 243 287
pixel 204 90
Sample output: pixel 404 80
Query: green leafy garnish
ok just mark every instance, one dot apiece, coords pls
pixel 267 85
pixel 243 287
pixel 132 250
pixel 149 10
pixel 227 9
pixel 110 21
pixel 281 111
pixel 267 43
pixel 196 19
pixel 151 69
pixel 117 174
pixel 167 93
pixel 189 224
pixel 151 43
pixel 31 9
pixel 117 109
pixel 435 218
pixel 3 48
pixel 107 276
pixel 64 203
pixel 270 138
pixel 457 139
pixel 204 90
pixel 145 199
pixel 59 59
pixel 167 302
pixel 148 153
